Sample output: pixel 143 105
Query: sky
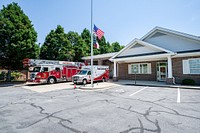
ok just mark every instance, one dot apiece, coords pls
pixel 121 20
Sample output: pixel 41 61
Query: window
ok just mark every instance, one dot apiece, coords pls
pixel 89 73
pixel 194 66
pixel 82 72
pixel 191 66
pixel 134 68
pixel 143 68
pixel 45 69
pixel 36 69
pixel 57 69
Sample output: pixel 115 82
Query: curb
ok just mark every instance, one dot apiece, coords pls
pixel 12 85
pixel 170 86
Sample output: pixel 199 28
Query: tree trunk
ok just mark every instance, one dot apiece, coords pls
pixel 8 76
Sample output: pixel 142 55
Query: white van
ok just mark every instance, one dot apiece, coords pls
pixel 101 73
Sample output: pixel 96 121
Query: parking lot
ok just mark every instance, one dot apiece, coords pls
pixel 119 108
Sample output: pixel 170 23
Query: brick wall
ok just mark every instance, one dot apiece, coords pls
pixel 123 72
pixel 177 70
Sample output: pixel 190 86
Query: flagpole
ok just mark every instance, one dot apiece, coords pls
pixel 92 75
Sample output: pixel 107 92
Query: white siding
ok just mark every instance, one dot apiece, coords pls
pixel 173 42
pixel 139 50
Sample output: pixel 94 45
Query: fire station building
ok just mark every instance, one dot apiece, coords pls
pixel 160 55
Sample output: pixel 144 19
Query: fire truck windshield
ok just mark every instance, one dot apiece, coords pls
pixel 83 72
pixel 36 69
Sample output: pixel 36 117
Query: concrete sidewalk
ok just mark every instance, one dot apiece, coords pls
pixel 100 85
pixel 111 84
pixel 154 83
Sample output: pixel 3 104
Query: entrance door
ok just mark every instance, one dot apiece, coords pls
pixel 162 73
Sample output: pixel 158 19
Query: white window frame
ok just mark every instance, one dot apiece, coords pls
pixel 131 69
pixel 187 66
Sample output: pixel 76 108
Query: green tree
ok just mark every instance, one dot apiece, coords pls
pixel 57 46
pixel 17 37
pixel 121 47
pixel 86 36
pixel 109 47
pixel 79 45
pixel 104 47
pixel 115 47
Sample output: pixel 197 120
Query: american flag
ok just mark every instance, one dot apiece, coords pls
pixel 98 32
pixel 96 44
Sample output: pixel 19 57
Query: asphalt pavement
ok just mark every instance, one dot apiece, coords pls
pixel 118 108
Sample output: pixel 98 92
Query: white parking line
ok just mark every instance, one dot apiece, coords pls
pixel 137 91
pixel 178 96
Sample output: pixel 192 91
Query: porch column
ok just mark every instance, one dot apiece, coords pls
pixel 115 71
pixel 170 79
pixel 169 62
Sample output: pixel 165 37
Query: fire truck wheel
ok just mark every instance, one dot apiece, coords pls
pixel 51 80
pixel 84 82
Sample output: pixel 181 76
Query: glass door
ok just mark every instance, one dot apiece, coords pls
pixel 161 71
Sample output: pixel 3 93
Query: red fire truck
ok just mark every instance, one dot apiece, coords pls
pixel 50 71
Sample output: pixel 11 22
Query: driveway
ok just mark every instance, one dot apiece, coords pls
pixel 118 109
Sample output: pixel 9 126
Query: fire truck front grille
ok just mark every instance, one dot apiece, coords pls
pixel 75 78
pixel 32 76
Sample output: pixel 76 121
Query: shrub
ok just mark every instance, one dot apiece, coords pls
pixel 188 82
pixel 15 75
pixel 2 75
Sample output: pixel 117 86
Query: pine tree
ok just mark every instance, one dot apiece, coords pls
pixel 57 46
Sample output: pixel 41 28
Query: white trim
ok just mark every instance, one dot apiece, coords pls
pixel 157 29
pixel 186 54
pixel 129 68
pixel 158 72
pixel 173 55
pixel 134 42
pixel 186 68
pixel 149 33
pixel 100 56
pixel 139 68
pixel 152 32
pixel 169 66
pixel 147 57
pixel 127 46
pixel 149 68
pixel 115 70
pixel 154 46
